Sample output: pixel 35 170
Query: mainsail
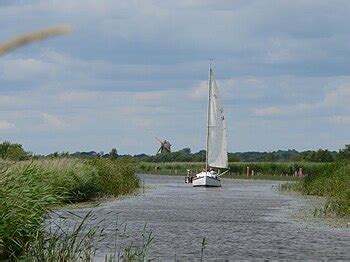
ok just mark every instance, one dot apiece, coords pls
pixel 217 138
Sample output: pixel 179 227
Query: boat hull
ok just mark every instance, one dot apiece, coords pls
pixel 206 181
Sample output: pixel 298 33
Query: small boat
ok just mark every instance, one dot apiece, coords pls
pixel 216 158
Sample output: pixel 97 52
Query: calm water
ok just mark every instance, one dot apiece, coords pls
pixel 241 220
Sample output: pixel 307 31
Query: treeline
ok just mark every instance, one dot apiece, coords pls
pixel 185 155
pixel 11 151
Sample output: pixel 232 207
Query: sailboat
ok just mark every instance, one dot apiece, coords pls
pixel 216 157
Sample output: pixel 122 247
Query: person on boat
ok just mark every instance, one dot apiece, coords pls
pixel 211 171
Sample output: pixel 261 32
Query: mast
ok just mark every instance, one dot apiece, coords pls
pixel 208 116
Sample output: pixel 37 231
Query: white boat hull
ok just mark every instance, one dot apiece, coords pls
pixel 206 181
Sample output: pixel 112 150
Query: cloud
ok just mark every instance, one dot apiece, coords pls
pixel 284 110
pixel 78 96
pixel 151 97
pixel 335 98
pixel 269 111
pixel 24 68
pixel 5 125
pixel 338 96
pixel 344 120
pixel 144 123
pixel 132 66
pixel 10 100
pixel 200 91
pixel 52 121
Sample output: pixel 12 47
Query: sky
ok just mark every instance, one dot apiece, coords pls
pixel 133 70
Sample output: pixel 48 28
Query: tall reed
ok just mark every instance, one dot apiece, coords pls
pixel 333 182
pixel 236 168
pixel 28 190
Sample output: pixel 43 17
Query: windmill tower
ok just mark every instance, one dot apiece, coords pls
pixel 165 147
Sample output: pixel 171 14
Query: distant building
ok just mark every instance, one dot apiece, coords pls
pixel 347 147
pixel 165 147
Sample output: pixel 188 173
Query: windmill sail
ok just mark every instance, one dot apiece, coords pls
pixel 217 138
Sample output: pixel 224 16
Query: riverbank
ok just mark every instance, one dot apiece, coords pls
pixel 308 213
pixel 229 176
pixel 256 170
pixel 29 190
pixel 333 182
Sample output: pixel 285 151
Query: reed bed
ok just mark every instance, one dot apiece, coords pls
pixel 266 170
pixel 28 191
pixel 333 182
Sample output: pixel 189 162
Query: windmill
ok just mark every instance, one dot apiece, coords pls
pixel 165 147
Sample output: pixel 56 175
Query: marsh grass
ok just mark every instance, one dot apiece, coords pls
pixel 203 245
pixel 115 177
pixel 291 186
pixel 29 190
pixel 333 182
pixel 262 170
pixel 58 245
pixel 80 243
pixel 23 203
pixel 138 252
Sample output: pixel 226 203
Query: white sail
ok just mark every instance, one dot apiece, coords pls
pixel 217 138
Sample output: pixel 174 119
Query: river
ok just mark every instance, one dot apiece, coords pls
pixel 242 220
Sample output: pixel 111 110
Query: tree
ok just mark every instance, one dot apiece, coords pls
pixel 325 156
pixel 317 156
pixel 270 157
pixel 3 149
pixel 186 150
pixel 344 154
pixel 113 154
pixel 232 157
pixel 12 151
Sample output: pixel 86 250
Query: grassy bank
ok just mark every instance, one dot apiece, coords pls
pixel 263 170
pixel 333 182
pixel 29 189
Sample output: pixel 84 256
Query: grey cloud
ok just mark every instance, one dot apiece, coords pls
pixel 132 68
